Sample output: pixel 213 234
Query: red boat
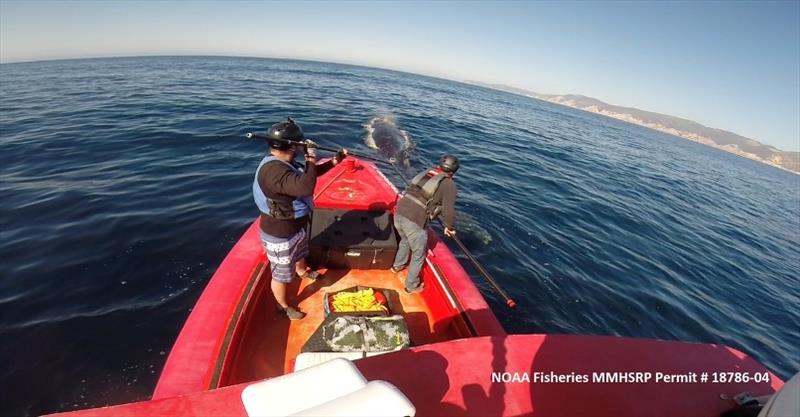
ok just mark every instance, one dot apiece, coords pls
pixel 237 356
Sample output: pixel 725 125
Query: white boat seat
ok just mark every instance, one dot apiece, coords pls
pixel 309 359
pixel 295 392
pixel 377 399
pixel 332 388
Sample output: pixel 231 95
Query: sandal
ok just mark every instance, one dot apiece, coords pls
pixel 309 274
pixel 293 313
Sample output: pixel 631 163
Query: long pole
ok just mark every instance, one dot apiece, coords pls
pixel 296 143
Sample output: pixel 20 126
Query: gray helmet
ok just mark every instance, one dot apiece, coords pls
pixel 288 130
pixel 449 164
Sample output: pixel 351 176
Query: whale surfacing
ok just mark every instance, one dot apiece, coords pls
pixel 392 142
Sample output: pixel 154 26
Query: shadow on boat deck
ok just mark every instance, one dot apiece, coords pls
pixel 438 386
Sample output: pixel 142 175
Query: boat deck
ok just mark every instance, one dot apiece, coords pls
pixel 234 333
pixel 273 346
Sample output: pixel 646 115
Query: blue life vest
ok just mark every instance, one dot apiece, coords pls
pixel 302 206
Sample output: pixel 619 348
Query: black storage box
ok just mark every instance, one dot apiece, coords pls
pixel 352 239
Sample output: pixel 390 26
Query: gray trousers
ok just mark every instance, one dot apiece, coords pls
pixel 414 239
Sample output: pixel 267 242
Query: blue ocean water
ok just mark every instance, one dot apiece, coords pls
pixel 124 182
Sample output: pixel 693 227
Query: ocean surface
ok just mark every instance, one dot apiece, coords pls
pixel 124 183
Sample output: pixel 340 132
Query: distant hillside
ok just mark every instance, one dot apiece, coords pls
pixel 683 128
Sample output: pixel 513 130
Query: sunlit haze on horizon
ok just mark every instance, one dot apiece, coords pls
pixel 729 65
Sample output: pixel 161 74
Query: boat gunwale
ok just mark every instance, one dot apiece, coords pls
pixel 233 326
pixel 449 367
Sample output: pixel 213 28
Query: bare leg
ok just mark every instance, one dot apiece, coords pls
pixel 279 291
pixel 300 266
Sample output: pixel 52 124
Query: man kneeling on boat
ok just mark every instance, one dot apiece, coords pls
pixel 283 190
pixel 431 193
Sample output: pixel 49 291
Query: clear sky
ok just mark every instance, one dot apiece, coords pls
pixel 731 65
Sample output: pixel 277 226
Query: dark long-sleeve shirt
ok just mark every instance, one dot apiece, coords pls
pixel 445 196
pixel 278 182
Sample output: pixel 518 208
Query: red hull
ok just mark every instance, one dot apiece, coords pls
pixel 223 344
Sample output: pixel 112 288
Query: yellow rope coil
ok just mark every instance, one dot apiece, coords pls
pixel 361 300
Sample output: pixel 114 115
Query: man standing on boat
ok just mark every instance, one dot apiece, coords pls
pixel 283 190
pixel 431 194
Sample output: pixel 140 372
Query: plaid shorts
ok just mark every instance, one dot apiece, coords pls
pixel 284 252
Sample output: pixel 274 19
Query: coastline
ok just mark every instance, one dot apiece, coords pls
pixel 731 149
pixel 627 118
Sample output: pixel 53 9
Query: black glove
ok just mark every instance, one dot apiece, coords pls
pixel 311 148
pixel 339 157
